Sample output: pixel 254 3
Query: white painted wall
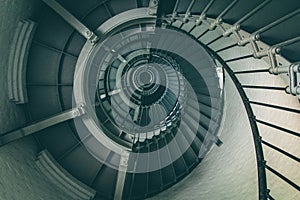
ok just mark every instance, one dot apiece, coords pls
pixel 20 179
pixel 228 172
pixel 11 11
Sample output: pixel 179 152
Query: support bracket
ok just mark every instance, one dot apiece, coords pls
pixel 73 21
pixel 153 6
pixel 121 175
pixel 40 125
pixel 294 84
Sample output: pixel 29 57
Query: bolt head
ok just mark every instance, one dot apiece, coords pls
pixel 76 113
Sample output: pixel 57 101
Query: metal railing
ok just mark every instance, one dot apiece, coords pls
pixel 259 49
pixel 273 58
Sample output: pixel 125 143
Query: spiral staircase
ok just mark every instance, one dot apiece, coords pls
pixel 126 98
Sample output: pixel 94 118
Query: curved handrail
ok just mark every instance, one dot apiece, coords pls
pixel 258 142
pixel 261 163
pixel 181 19
pixel 261 170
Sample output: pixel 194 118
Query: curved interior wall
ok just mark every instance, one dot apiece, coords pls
pixel 19 176
pixel 33 185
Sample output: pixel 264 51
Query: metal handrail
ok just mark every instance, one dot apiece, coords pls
pixel 261 163
pixel 262 167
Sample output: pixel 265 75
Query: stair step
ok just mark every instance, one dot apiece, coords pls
pixel 189 156
pixel 203 119
pixel 139 188
pixel 213 112
pixel 168 173
pixel 179 163
pixel 190 136
pixel 82 172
